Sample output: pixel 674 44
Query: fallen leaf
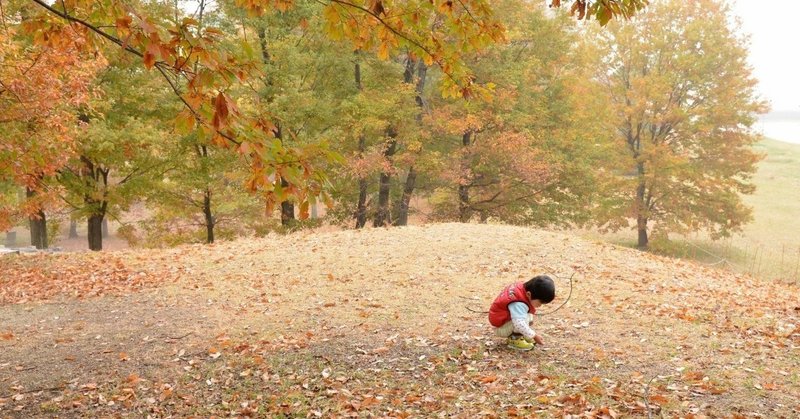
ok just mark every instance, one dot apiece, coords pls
pixel 165 394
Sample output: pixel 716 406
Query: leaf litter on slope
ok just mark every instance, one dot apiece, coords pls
pixel 393 302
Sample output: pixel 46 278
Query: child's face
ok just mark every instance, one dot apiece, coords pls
pixel 535 302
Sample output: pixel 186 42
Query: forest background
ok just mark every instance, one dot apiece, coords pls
pixel 217 120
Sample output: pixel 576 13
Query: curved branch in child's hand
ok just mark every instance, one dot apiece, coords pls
pixel 565 301
pixel 538 314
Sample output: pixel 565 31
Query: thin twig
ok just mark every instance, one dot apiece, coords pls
pixel 32 391
pixel 647 397
pixel 565 301
pixel 476 311
pixel 179 337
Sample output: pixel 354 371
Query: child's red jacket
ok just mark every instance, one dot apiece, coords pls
pixel 498 312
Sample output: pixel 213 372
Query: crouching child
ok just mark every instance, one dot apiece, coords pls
pixel 512 311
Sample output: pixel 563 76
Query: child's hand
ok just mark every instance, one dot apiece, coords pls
pixel 538 340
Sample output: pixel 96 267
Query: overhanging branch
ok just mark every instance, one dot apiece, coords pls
pixel 160 66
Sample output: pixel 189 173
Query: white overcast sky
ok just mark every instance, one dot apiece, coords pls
pixel 774 52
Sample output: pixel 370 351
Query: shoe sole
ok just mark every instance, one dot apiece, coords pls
pixel 514 348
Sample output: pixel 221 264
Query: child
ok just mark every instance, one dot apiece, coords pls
pixel 512 311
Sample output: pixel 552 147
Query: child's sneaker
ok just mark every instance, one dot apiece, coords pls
pixel 520 343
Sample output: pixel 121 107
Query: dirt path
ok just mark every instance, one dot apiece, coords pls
pixel 380 321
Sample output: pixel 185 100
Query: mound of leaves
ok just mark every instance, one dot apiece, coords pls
pixel 28 278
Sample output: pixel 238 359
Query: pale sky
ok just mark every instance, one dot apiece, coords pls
pixel 774 29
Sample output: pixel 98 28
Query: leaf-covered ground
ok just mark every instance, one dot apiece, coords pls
pixel 382 322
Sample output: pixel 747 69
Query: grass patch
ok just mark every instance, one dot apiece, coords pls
pixel 768 247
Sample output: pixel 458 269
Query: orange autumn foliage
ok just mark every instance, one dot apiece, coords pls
pixel 42 88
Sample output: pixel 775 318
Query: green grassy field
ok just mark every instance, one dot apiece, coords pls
pixel 777 199
pixel 769 247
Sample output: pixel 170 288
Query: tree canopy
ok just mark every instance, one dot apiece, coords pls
pixel 684 102
pixel 484 109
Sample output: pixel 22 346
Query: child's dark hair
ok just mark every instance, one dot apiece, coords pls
pixel 541 288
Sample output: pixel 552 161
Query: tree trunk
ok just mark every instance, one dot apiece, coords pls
pixel 73 229
pixel 287 208
pixel 209 217
pixel 38 224
pixel 262 40
pixel 96 180
pixel 408 74
pixel 95 234
pixel 361 206
pixel 641 210
pixel 361 209
pixel 642 228
pixel 382 215
pixel 464 210
pixel 411 178
pixel 405 201
pixel 422 76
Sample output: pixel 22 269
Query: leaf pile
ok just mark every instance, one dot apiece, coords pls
pixel 42 277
